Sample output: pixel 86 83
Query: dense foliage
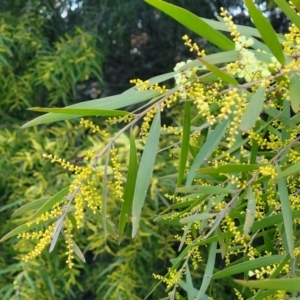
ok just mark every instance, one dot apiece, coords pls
pixel 221 187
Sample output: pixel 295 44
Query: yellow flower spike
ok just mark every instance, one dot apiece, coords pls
pixel 44 240
pixel 69 242
pixel 117 182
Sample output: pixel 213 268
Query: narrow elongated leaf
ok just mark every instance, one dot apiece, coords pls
pixel 82 111
pixel 208 270
pixel 294 92
pixel 49 203
pixel 129 188
pixel 196 217
pixel 290 13
pixel 56 232
pixel 216 58
pixel 276 114
pixel 248 266
pixel 189 284
pixel 204 189
pixel 184 286
pixel 250 212
pixel 266 30
pixel 77 251
pixel 253 109
pixel 219 73
pixel 110 226
pixel 29 207
pixel 228 169
pixel 207 149
pixel 107 103
pixel 293 169
pixel 272 220
pixel 185 142
pixel 286 212
pixel 244 30
pixel 20 229
pixel 286 284
pixel 145 172
pixel 153 80
pixel 194 23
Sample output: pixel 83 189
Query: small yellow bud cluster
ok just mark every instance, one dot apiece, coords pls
pixel 126 119
pixel 291 45
pixel 231 26
pixel 202 99
pixel 260 273
pixel 248 66
pixel 145 86
pixel 238 294
pixel 169 101
pixel 90 192
pixel 65 164
pixel 95 128
pixel 146 123
pixel 171 280
pixel 55 212
pixel 232 103
pixel 183 78
pixel 193 47
pixel 140 84
pixel 172 130
pixel 196 257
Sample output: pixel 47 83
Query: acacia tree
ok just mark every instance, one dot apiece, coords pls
pixel 235 189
